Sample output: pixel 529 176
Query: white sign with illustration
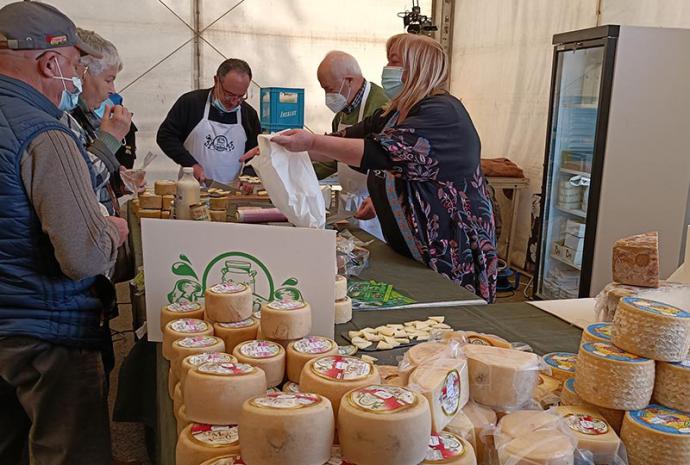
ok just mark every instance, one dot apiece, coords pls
pixel 183 258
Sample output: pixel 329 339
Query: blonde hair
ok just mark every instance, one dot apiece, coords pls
pixel 425 64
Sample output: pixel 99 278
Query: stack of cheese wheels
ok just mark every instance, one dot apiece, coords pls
pixel 177 399
pixel 225 460
pixel 184 327
pixel 607 376
pixel 501 378
pixel 287 429
pixel 235 333
pixel 476 423
pixel 267 355
pixel 547 391
pixel 652 329
pixel 199 442
pixel 165 187
pixel 229 302
pixel 592 431
pixel 343 304
pixel 173 379
pixel 672 385
pixel 334 375
pixel 445 384
pixel 181 348
pixel 569 397
pixel 214 392
pixel 657 435
pixel 521 422
pixel 192 361
pixel 340 287
pixel 182 420
pixel 285 320
pixel 542 447
pixel 301 351
pixel 597 332
pixel 181 310
pixel 449 449
pixel 395 419
pixel 561 364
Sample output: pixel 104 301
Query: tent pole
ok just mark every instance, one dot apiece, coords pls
pixel 196 58
pixel 442 12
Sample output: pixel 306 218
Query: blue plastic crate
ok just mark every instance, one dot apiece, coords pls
pixel 281 108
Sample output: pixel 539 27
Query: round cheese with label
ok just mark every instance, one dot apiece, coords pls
pixel 395 420
pixel 652 329
pixel 301 351
pixel 182 420
pixel 234 333
pixel 597 332
pixel 267 355
pixel 199 442
pixel 229 302
pixel 177 398
pixel 561 364
pixel 192 361
pixel 340 287
pixel 181 310
pixel 285 319
pixel 657 435
pixel 609 377
pixel 184 327
pixel 672 385
pixel 542 447
pixel 449 449
pixel 186 346
pixel 172 381
pixel 287 429
pixel 214 392
pixel 343 310
pixel 569 397
pixel 592 431
pixel 332 376
pixel 225 460
pixel 521 422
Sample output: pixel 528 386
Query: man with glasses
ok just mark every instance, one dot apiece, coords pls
pixel 210 129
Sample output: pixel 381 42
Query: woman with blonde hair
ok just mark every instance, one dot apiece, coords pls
pixel 422 154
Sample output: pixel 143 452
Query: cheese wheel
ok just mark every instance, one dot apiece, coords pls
pixel 181 310
pixel 199 442
pixel 229 302
pixel 165 187
pixel 301 351
pixel 547 391
pixel 166 214
pixel 192 361
pixel 267 355
pixel 285 319
pixel 652 329
pixel 219 203
pixel 445 384
pixel 462 426
pixel 395 420
pixel 562 364
pixel 225 460
pixel 592 431
pixel 343 310
pixel 522 422
pixel 173 379
pixel 340 287
pixel 287 429
pixel 332 376
pixel 449 449
pixel 501 378
pixel 657 435
pixel 282 343
pixel 184 327
pixel 484 421
pixel 234 333
pixel 597 332
pixel 291 387
pixel 214 392
pixel 150 201
pixel 543 447
pixel 218 216
pixel 182 420
pixel 607 376
pixel 426 351
pixel 569 397
pixel 148 213
pixel 481 339
pixel 672 385
pixel 186 346
pixel 177 398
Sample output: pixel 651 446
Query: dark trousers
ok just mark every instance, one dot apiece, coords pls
pixel 53 404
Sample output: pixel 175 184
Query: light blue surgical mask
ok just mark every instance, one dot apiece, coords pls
pixel 68 100
pixel 391 81
pixel 220 107
pixel 100 111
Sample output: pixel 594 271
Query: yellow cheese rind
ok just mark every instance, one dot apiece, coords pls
pixel 569 397
pixel 181 310
pixel 547 391
pixel 235 333
pixel 186 346
pixel 592 431
pixel 165 187
pixel 561 364
pixel 177 398
pixel 229 302
pixel 636 260
pixel 181 328
pixel 194 360
pixel 672 385
pixel 267 355
pixel 343 310
pixel 199 443
pixel 182 420
pixel 173 379
pixel 521 422
pixel 597 332
pixel 150 201
pixel 646 441
pixel 299 352
pixel 289 320
pixel 219 203
pixel 148 213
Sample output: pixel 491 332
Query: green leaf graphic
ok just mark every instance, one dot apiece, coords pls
pixel 184 258
pixel 182 269
pixel 291 282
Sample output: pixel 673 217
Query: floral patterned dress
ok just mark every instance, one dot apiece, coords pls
pixel 429 192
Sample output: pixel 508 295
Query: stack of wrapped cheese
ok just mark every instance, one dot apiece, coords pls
pixel 156 204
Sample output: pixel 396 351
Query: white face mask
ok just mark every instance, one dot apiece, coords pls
pixel 335 101
pixel 68 100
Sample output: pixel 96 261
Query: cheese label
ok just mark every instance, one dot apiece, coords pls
pixel 586 424
pixel 478 340
pixel 196 342
pixel 228 460
pixel 313 345
pixel 562 360
pixel 337 457
pixel 347 350
pixel 663 419
pixel 238 324
pixel 214 357
pixel 225 369
pixel 228 288
pixel 183 307
pixel 656 308
pixel 601 330
pixel 342 368
pixel 450 393
pixel 272 390
pixel 291 387
pixel 442 447
pixel 285 400
pixel 570 384
pixel 286 305
pixel 215 436
pixel 260 349
pixel 188 325
pixel 382 399
pixel 611 352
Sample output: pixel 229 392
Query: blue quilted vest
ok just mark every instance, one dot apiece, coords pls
pixel 36 298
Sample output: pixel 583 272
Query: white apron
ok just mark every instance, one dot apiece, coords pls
pixel 217 147
pixel 354 184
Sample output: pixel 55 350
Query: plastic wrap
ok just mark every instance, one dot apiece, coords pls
pixel 675 294
pixel 352 257
pixel 476 424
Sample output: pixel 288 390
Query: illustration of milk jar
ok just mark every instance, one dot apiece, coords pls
pixel 239 271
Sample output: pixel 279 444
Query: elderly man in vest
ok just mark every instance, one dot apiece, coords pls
pixel 55 250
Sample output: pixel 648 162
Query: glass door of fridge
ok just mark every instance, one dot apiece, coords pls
pixel 575 106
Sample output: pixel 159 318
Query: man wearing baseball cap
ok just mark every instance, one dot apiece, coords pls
pixel 55 250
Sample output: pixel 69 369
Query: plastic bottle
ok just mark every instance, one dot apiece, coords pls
pixel 188 193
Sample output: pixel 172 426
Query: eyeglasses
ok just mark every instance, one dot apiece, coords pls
pixel 227 95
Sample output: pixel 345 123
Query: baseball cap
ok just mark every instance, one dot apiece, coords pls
pixel 31 25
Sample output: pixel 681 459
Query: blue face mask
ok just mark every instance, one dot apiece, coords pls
pixel 68 100
pixel 391 81
pixel 220 107
pixel 111 101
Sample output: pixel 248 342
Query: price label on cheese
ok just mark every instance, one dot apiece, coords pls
pixel 213 357
pixel 561 360
pixel 442 447
pixel 342 367
pixel 663 419
pixel 611 352
pixel 228 288
pixel 226 369
pixel 215 436
pixel 238 324
pixel 286 401
pixel 188 325
pixel 313 345
pixel 450 393
pixel 184 307
pixel 286 305
pixel 657 308
pixel 196 342
pixel 586 424
pixel 260 349
pixel 382 399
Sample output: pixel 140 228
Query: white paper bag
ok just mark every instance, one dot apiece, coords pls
pixel 291 182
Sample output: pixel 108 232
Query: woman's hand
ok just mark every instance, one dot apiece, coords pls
pixel 295 140
pixel 250 154
pixel 366 211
